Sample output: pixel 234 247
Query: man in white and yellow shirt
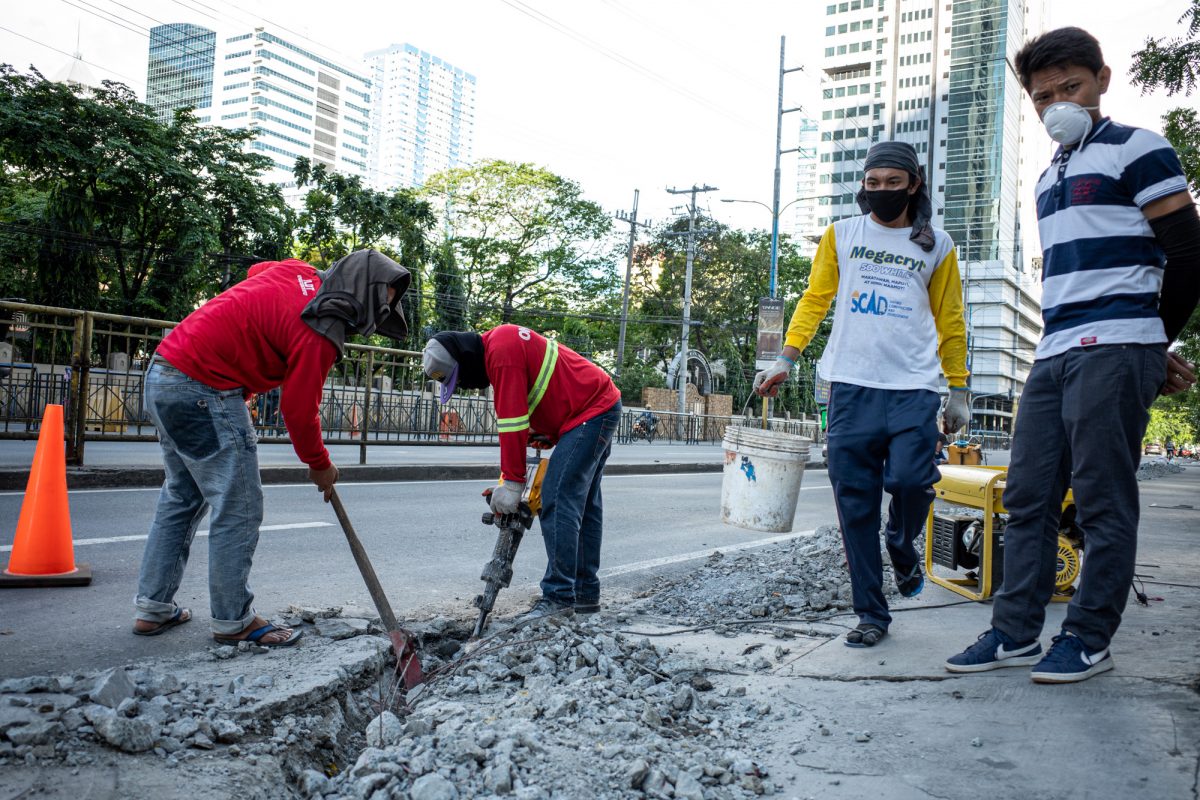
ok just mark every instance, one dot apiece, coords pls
pixel 899 317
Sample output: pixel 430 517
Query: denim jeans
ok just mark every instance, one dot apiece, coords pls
pixel 1080 424
pixel 572 516
pixel 210 454
pixel 880 439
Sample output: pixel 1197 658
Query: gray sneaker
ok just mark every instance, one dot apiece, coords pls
pixel 545 607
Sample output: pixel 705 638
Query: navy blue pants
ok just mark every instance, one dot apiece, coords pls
pixel 572 516
pixel 880 439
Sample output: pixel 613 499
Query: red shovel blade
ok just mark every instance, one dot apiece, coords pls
pixel 408 666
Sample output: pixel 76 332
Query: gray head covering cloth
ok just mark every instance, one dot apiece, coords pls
pixel 353 299
pixel 901 155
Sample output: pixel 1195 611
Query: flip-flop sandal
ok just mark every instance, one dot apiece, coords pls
pixel 180 616
pixel 257 634
pixel 865 635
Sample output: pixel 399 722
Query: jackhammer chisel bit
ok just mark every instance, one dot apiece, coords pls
pixel 497 573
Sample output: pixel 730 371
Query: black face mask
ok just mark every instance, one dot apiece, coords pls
pixel 888 204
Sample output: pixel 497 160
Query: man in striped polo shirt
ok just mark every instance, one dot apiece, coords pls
pixel 1121 276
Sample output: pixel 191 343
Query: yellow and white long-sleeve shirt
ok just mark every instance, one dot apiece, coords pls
pixel 899 311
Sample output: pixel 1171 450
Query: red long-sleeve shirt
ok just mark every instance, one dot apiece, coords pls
pixel 251 337
pixel 577 391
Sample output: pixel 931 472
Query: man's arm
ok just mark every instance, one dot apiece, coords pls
pixel 1176 226
pixel 300 399
pixel 945 301
pixel 814 305
pixel 510 391
pixel 810 311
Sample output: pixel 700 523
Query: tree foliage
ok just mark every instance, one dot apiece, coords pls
pixel 1173 64
pixel 524 239
pixel 730 273
pixel 113 210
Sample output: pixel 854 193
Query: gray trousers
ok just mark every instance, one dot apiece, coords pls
pixel 1080 425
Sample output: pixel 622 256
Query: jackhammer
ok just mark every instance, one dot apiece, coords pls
pixel 497 573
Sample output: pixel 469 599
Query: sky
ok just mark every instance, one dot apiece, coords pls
pixel 616 95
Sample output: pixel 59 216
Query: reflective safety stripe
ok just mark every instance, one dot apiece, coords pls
pixel 512 424
pixel 543 379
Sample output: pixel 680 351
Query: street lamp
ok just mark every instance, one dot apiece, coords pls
pixel 775 215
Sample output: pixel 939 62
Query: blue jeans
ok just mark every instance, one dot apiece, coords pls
pixel 880 439
pixel 210 454
pixel 572 515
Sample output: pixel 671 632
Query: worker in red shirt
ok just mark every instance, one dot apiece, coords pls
pixel 283 327
pixel 542 387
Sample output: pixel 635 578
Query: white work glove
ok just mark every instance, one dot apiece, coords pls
pixel 958 410
pixel 506 497
pixel 767 382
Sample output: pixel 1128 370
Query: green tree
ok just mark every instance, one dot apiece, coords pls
pixel 341 215
pixel 106 208
pixel 730 273
pixel 449 298
pixel 524 238
pixel 1172 423
pixel 1173 64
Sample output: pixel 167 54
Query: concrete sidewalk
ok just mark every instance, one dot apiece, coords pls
pixel 133 464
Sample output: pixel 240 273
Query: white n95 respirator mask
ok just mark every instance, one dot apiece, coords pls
pixel 1068 123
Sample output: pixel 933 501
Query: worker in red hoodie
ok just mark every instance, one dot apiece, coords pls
pixel 283 326
pixel 542 387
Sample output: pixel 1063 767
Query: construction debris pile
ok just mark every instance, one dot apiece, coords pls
pixel 566 710
pixel 235 703
pixel 1149 470
pixel 804 575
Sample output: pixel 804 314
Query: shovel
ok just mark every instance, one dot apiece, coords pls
pixel 408 665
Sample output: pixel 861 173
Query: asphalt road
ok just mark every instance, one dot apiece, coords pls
pixel 425 539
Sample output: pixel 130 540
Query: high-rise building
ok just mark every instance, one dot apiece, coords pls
pixel 180 69
pixel 938 74
pixel 301 103
pixel 423 115
pixel 805 212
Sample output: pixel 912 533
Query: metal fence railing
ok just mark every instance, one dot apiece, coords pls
pixel 93 364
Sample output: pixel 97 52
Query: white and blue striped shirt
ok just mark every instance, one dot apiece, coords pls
pixel 1102 267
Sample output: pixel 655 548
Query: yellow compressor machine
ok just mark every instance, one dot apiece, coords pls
pixel 969 540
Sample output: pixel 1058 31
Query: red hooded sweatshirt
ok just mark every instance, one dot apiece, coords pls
pixel 251 337
pixel 574 391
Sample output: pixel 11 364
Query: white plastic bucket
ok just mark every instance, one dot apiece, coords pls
pixel 763 472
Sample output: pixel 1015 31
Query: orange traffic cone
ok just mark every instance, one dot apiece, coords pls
pixel 42 553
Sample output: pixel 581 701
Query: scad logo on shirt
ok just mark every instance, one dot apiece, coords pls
pixel 306 285
pixel 863 303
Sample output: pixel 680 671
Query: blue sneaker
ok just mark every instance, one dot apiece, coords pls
pixel 1068 661
pixel 910 585
pixel 993 650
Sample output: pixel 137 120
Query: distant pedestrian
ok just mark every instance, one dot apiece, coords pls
pixel 1120 276
pixel 897 328
pixel 286 327
pixel 1170 451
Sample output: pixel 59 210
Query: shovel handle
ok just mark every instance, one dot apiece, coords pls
pixel 364 566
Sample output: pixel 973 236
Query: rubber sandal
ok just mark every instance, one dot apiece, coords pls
pixel 180 616
pixel 258 633
pixel 865 635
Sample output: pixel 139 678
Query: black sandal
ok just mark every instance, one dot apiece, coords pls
pixel 865 635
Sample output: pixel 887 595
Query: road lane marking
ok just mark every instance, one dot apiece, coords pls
pixel 142 537
pixel 640 566
pixel 352 484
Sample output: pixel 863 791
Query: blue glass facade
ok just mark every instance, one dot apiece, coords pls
pixel 181 68
pixel 983 133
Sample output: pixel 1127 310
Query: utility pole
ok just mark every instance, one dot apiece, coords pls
pixel 632 219
pixel 779 151
pixel 681 375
